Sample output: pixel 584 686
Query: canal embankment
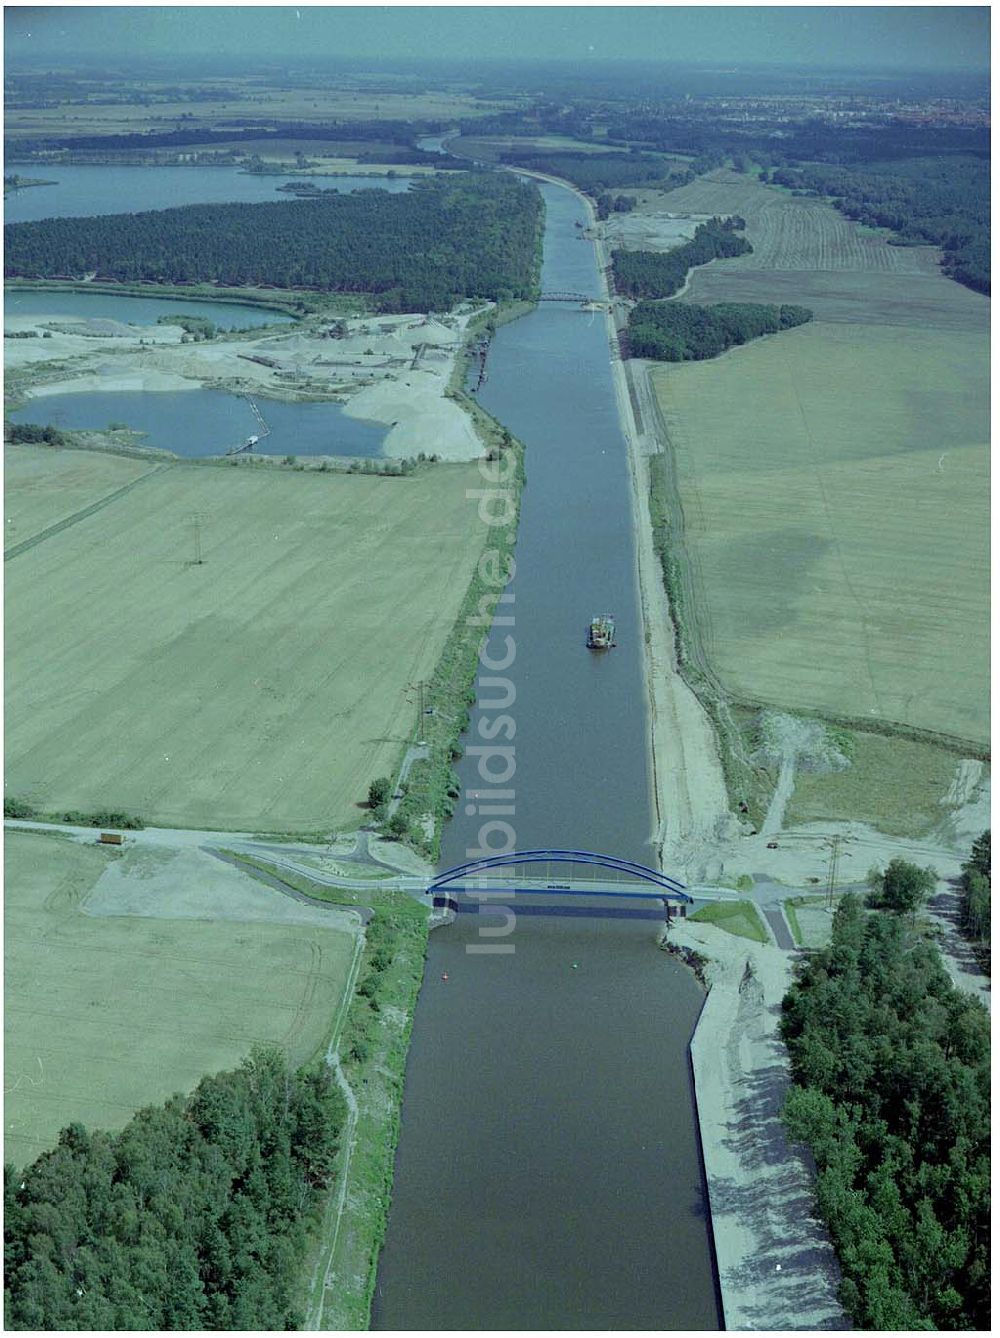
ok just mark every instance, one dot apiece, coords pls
pixel 776 1266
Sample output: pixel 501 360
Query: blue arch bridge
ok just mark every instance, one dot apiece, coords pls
pixel 568 882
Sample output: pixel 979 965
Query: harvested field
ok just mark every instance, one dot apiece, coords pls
pixel 105 1015
pixel 805 252
pixel 45 485
pixel 262 689
pixel 914 300
pixel 791 232
pixel 833 481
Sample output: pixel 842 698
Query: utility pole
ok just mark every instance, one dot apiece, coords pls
pixel 197 520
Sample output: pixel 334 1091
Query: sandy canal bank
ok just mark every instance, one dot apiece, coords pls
pixel 390 369
pixel 777 1269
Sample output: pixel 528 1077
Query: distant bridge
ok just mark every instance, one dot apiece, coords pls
pixel 569 297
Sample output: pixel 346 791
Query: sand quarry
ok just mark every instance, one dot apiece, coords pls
pixel 392 369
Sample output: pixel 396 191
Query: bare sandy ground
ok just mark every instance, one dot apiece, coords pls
pixel 392 369
pixel 192 884
pixel 777 1269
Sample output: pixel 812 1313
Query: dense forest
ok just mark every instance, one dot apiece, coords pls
pixel 470 234
pixel 891 1083
pixel 684 332
pixel 192 1217
pixel 651 274
pixel 941 201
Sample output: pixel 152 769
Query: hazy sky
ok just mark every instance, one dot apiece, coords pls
pixel 842 36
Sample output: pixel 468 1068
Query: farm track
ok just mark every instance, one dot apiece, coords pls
pixel 50 531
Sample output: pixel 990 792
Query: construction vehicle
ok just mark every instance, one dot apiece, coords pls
pixel 601 635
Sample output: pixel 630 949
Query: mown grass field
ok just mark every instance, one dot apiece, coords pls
pixel 45 485
pixel 835 496
pixel 261 689
pixel 105 1015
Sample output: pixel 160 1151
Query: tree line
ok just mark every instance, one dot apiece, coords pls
pixel 975 883
pixel 236 132
pixel 685 332
pixel 891 1074
pixel 469 235
pixel 194 1216
pixel 652 274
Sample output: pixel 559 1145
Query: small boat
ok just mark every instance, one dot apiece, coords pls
pixel 601 635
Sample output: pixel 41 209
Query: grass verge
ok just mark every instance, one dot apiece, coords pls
pixel 379 898
pixel 735 917
pixel 667 522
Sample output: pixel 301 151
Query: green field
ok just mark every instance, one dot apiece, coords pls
pixel 45 485
pixel 262 689
pixel 107 1014
pixel 834 485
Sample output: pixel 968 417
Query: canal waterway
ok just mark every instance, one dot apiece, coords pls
pixel 548 1171
pixel 196 423
pixel 84 190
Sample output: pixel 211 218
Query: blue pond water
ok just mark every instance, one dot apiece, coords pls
pixel 195 423
pixel 81 191
pixel 136 310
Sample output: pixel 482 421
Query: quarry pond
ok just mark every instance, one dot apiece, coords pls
pixel 197 423
pixel 130 310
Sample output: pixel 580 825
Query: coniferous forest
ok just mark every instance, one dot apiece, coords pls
pixel 685 332
pixel 891 1093
pixel 661 273
pixel 466 235
pixel 194 1216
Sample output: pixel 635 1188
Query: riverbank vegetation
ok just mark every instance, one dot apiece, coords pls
pixel 194 1216
pixel 432 786
pixel 890 1067
pixel 685 332
pixel 652 274
pixel 469 235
